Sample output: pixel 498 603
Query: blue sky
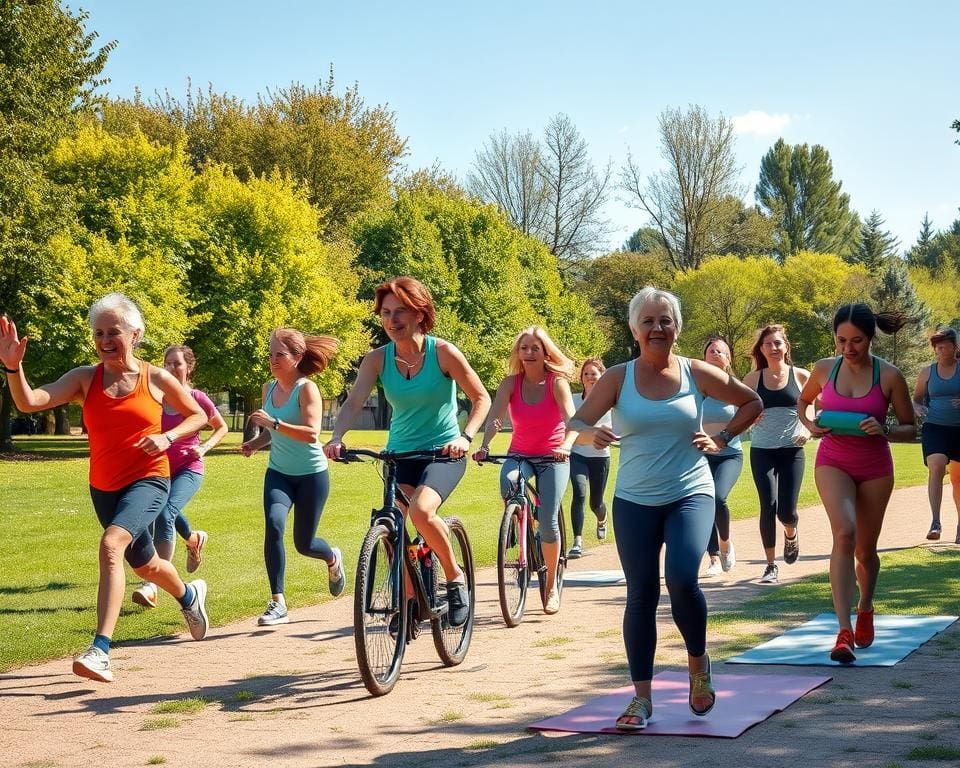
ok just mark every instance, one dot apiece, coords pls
pixel 875 83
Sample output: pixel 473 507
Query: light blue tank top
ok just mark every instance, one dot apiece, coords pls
pixel 715 412
pixel 424 407
pixel 658 463
pixel 940 393
pixel 289 456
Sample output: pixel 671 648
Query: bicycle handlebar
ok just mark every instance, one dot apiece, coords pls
pixel 354 454
pixel 499 458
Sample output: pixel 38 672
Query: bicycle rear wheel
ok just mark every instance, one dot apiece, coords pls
pixel 512 578
pixel 379 624
pixel 452 642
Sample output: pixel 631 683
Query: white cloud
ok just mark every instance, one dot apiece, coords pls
pixel 760 123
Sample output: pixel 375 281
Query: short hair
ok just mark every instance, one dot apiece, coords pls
pixel 188 357
pixel 596 362
pixel 553 358
pixel 756 352
pixel 317 351
pixel 125 308
pixel 412 294
pixel 649 293
pixel 866 321
pixel 713 340
pixel 943 334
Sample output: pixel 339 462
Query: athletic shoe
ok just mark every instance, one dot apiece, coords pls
pixel 93 664
pixel 575 553
pixel 195 554
pixel 196 613
pixel 602 529
pixel 843 650
pixel 145 595
pixel 458 603
pixel 791 548
pixel 771 574
pixel 863 634
pixel 728 559
pixel 336 575
pixel 714 569
pixel 276 613
pixel 934 533
pixel 553 602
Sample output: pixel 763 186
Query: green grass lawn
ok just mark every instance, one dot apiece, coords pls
pixel 48 555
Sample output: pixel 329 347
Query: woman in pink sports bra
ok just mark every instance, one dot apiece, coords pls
pixel 854 473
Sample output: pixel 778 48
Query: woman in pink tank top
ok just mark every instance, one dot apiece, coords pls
pixel 854 473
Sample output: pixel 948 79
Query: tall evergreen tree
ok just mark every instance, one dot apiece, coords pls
pixel 923 253
pixel 876 245
pixel 907 348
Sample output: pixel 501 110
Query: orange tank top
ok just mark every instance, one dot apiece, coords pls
pixel 115 425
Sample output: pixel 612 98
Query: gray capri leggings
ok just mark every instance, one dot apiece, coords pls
pixel 551 482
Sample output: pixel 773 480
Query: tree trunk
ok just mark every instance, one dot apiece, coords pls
pixel 382 414
pixel 250 430
pixel 6 410
pixel 62 418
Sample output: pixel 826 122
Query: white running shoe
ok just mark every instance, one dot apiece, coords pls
pixel 771 574
pixel 196 613
pixel 553 602
pixel 195 554
pixel 145 595
pixel 276 613
pixel 714 569
pixel 336 574
pixel 728 559
pixel 93 664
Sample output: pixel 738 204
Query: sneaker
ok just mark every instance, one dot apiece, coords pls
pixel 458 602
pixel 276 613
pixel 195 554
pixel 196 613
pixel 771 574
pixel 714 569
pixel 791 548
pixel 843 650
pixel 93 664
pixel 602 529
pixel 336 575
pixel 728 559
pixel 145 595
pixel 863 634
pixel 934 533
pixel 575 553
pixel 553 603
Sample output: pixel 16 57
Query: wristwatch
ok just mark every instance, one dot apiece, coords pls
pixel 276 424
pixel 724 435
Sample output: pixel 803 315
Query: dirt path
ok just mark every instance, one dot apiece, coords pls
pixel 292 695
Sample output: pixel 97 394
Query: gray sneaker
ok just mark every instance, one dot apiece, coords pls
pixel 276 613
pixel 196 613
pixel 336 575
pixel 791 548
pixel 771 574
pixel 728 559
pixel 93 664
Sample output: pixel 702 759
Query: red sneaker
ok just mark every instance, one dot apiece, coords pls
pixel 863 635
pixel 843 650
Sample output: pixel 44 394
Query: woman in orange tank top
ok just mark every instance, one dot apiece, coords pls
pixel 129 473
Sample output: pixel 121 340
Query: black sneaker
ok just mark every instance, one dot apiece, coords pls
pixel 791 548
pixel 575 551
pixel 458 603
pixel 770 574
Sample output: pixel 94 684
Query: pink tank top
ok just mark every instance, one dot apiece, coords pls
pixel 874 403
pixel 538 428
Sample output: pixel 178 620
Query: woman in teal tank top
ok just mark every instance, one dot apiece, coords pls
pixel 420 374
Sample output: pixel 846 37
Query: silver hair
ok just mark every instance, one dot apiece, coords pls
pixel 127 310
pixel 649 293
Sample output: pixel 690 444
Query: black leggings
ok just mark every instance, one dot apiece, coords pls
pixel 777 473
pixel 726 471
pixel 584 470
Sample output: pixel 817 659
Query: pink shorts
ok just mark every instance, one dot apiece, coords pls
pixel 862 458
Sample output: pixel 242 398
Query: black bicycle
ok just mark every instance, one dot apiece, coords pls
pixel 400 584
pixel 519 554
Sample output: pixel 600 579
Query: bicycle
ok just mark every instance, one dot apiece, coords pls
pixel 519 554
pixel 386 613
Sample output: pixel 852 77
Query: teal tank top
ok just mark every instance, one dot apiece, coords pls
pixel 940 396
pixel 289 456
pixel 424 407
pixel 658 463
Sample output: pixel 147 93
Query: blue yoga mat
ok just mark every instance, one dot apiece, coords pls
pixel 895 638
pixel 593 578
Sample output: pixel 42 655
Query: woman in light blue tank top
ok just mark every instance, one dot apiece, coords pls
pixel 664 490
pixel 290 422
pixel 420 374
pixel 936 400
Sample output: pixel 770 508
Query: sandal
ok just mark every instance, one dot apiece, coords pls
pixel 641 709
pixel 701 685
pixel 602 528
pixel 934 533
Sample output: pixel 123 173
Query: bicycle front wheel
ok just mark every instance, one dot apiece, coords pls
pixel 379 624
pixel 452 642
pixel 512 577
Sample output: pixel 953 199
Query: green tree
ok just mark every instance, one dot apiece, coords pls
pixel 876 244
pixel 922 253
pixel 907 348
pixel 798 192
pixel 644 240
pixel 940 290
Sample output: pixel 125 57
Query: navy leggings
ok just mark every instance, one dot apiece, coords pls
pixel 641 531
pixel 306 494
pixel 726 471
pixel 777 473
pixel 584 470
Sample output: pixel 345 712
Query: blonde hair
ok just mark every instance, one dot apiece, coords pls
pixel 553 358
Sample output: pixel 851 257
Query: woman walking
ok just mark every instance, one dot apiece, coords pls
pixel 854 472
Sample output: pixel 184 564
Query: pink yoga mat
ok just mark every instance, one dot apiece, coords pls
pixel 742 702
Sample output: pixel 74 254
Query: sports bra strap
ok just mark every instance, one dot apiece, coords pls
pixel 833 373
pixel 876 371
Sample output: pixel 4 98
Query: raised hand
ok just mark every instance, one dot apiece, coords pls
pixel 12 347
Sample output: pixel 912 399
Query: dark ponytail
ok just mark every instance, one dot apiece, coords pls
pixel 863 318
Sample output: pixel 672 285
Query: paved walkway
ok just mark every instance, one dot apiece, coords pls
pixel 292 696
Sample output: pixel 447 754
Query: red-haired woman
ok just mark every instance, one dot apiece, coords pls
pixel 420 374
pixel 290 422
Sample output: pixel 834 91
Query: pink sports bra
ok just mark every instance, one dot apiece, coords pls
pixel 873 403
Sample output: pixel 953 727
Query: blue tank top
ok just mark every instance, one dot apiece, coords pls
pixel 715 412
pixel 940 395
pixel 289 456
pixel 658 463
pixel 424 407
